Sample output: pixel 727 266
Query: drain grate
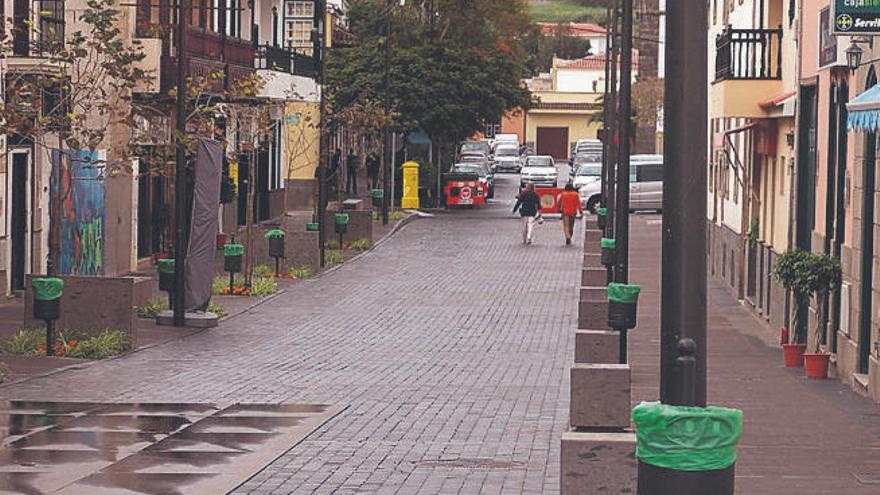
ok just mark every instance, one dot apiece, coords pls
pixel 867 478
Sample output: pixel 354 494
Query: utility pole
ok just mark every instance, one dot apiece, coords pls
pixel 387 167
pixel 611 125
pixel 180 179
pixel 683 306
pixel 624 111
pixel 606 110
pixel 318 57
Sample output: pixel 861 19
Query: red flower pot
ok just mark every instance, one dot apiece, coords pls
pixel 816 365
pixel 793 354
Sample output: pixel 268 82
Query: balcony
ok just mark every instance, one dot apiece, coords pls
pixel 279 59
pixel 207 55
pixel 750 54
pixel 748 70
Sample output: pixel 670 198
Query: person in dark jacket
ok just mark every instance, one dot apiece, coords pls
pixel 529 205
pixel 373 165
pixel 351 167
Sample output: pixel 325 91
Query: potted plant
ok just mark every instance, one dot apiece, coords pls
pixel 825 277
pixel 806 274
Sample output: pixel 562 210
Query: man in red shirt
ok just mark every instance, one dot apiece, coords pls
pixel 570 207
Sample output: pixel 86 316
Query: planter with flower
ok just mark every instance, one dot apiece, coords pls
pixel 807 275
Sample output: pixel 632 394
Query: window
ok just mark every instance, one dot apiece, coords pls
pixel 276 155
pixel 299 9
pixel 782 176
pixel 298 34
pixel 649 172
pixel 51 24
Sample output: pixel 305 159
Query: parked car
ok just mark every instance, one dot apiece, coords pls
pixel 475 147
pixel 480 169
pixel 507 158
pixel 539 170
pixel 581 160
pixel 586 175
pixel 646 185
pixel 473 156
pixel 585 147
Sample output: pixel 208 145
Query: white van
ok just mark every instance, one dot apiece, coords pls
pixel 506 139
pixel 646 184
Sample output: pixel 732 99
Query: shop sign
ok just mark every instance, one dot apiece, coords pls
pixel 856 17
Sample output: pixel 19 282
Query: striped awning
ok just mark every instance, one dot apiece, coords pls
pixel 864 111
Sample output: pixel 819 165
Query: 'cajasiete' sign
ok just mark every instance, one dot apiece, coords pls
pixel 856 17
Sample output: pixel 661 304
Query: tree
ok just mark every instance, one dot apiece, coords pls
pixel 76 99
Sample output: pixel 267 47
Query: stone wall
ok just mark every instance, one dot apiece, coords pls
pixel 93 304
pixel 724 258
pixel 360 225
pixel 301 194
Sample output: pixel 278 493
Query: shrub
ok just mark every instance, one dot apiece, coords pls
pixel 152 308
pixel 261 287
pixel 101 346
pixel 263 271
pixel 361 245
pixel 25 341
pixel 395 216
pixel 221 284
pixel 333 257
pixel 216 309
pixel 4 373
pixel 332 244
pixel 301 272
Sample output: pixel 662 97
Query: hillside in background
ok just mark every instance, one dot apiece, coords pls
pixel 565 11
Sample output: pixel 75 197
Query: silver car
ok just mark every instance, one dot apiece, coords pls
pixel 646 185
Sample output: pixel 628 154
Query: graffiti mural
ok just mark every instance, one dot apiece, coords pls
pixel 83 212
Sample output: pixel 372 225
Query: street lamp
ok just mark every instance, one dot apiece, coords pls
pixel 853 56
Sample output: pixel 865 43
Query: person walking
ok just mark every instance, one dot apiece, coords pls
pixel 570 207
pixel 529 205
pixel 373 163
pixel 351 168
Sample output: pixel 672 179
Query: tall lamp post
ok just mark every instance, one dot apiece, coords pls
pixel 318 56
pixel 387 167
pixel 624 122
pixel 180 182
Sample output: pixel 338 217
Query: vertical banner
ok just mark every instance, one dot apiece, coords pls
pixel 205 224
pixel 83 211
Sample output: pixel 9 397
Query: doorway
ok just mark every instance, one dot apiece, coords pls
pixel 553 141
pixel 806 187
pixel 19 210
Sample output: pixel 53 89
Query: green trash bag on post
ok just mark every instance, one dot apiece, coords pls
pixel 233 250
pixel 341 218
pixel 607 243
pixel 686 438
pixel 623 293
pixel 274 233
pixel 47 288
pixel 166 266
pixel 602 212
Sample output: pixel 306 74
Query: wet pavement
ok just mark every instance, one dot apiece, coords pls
pixel 155 449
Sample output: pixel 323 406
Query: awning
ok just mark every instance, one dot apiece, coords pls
pixel 781 105
pixel 864 111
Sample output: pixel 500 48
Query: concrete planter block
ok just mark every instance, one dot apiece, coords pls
pixel 596 347
pixel 591 222
pixel 598 463
pixel 594 293
pixel 600 396
pixel 594 277
pixel 593 315
pixel 592 238
pixel 593 258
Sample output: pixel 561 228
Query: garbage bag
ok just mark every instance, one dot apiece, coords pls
pixel 686 438
pixel 623 293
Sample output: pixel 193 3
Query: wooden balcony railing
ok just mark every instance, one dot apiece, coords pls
pixel 754 54
pixel 284 60
pixel 208 53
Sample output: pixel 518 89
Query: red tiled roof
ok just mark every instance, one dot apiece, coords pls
pixel 593 62
pixel 567 106
pixel 573 28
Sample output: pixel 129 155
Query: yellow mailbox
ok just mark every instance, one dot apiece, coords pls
pixel 410 200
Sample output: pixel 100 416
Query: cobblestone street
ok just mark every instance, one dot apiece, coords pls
pixel 450 343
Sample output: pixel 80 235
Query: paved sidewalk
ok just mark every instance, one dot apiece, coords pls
pixel 800 437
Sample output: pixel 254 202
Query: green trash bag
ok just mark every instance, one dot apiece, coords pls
pixel 602 212
pixel 274 233
pixel 606 243
pixel 233 250
pixel 686 438
pixel 166 266
pixel 378 193
pixel 623 293
pixel 341 218
pixel 47 288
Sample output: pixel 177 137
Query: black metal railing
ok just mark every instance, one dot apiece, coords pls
pixel 284 60
pixel 754 54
